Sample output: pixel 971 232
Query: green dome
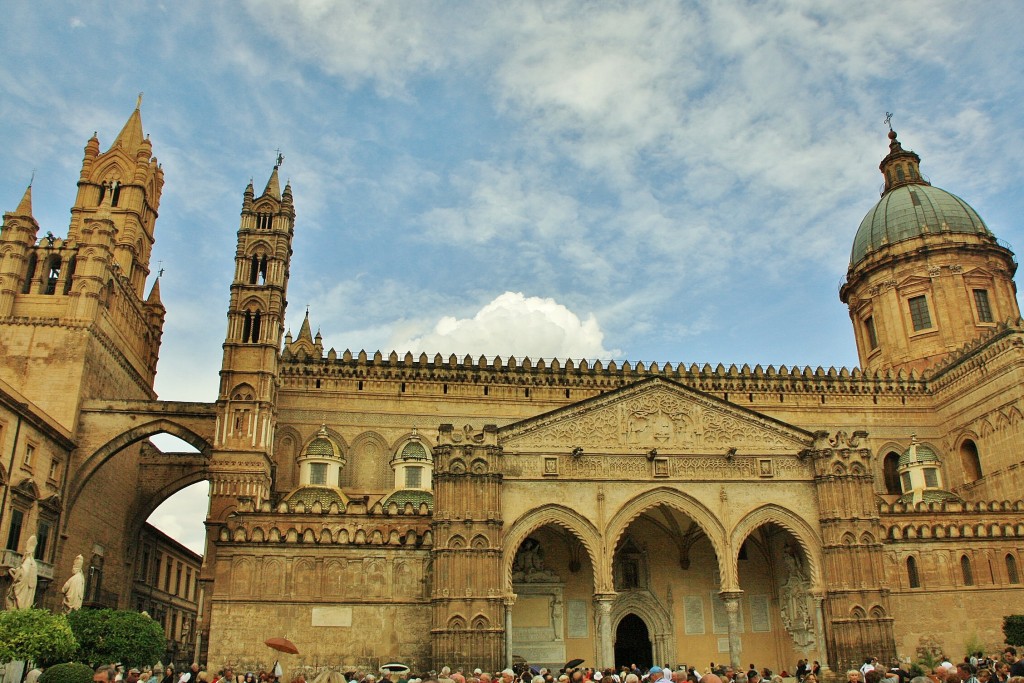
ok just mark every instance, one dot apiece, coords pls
pixel 917 453
pixel 414 451
pixel 911 211
pixel 931 496
pixel 410 496
pixel 320 447
pixel 308 495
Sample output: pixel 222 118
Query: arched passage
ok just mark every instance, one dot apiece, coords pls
pixel 778 565
pixel 550 570
pixel 118 443
pixel 633 643
pixel 677 500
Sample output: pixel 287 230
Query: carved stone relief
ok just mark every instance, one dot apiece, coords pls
pixel 796 604
pixel 662 417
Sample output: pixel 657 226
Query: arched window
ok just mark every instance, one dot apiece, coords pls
pixel 1011 569
pixel 115 193
pixel 251 327
pixel 912 576
pixel 890 474
pixel 52 274
pixel 264 221
pixel 71 273
pixel 966 571
pixel 258 270
pixel 970 460
pixel 29 273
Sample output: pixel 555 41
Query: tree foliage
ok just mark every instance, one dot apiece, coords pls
pixel 1013 629
pixel 67 673
pixel 35 635
pixel 107 635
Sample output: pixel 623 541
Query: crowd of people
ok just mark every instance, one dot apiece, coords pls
pixel 977 668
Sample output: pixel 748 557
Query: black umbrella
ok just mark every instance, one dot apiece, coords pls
pixel 573 663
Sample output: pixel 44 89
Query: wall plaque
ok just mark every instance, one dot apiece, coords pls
pixel 332 616
pixel 578 622
pixel 760 618
pixel 693 606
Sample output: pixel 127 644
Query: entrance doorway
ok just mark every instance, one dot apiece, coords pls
pixel 633 643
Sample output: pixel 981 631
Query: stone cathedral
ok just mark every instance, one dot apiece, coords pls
pixel 476 511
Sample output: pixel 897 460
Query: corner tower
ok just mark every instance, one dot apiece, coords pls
pixel 84 293
pixel 926 275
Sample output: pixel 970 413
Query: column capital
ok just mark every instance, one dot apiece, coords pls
pixel 730 595
pixel 604 600
pixel 509 600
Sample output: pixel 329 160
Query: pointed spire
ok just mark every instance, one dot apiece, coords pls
pixel 25 206
pixel 131 135
pixel 304 331
pixel 273 186
pixel 154 294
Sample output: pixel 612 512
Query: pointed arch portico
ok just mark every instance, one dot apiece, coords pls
pixel 805 535
pixel 566 518
pixel 688 505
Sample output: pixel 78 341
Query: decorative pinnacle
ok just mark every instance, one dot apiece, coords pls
pixel 888 119
pixel 138 102
pixel 280 158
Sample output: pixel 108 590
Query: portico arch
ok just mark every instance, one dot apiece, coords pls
pixel 804 534
pixel 684 503
pixel 570 520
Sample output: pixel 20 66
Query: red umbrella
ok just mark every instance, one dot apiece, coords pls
pixel 282 645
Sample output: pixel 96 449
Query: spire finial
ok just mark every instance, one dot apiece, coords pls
pixel 280 158
pixel 32 178
pixel 138 102
pixel 160 272
pixel 888 119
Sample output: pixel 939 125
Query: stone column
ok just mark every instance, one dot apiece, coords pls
pixel 605 650
pixel 732 610
pixel 509 602
pixel 819 631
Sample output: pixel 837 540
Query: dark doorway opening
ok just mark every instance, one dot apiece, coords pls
pixel 633 643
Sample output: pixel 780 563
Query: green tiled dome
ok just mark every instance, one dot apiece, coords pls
pixel 931 496
pixel 416 497
pixel 414 451
pixel 911 211
pixel 918 452
pixel 308 495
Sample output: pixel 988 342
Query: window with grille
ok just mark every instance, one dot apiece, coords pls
pixel 931 477
pixel 982 304
pixel 919 315
pixel 906 482
pixel 413 477
pixel 318 473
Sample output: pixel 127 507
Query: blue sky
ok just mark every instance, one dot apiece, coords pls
pixel 655 181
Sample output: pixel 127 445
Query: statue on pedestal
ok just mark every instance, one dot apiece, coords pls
pixel 74 587
pixel 22 594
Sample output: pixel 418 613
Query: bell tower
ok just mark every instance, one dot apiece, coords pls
pixel 84 293
pixel 248 377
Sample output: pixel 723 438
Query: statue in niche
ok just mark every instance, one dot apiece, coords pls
pixel 74 587
pixel 796 604
pixel 556 616
pixel 528 565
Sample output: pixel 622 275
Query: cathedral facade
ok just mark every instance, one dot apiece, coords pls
pixel 476 511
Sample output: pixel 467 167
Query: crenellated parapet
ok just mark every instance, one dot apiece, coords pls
pixel 952 520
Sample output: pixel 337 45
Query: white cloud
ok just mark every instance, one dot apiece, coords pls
pixel 514 324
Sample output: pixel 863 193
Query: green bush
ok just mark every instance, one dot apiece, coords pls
pixel 67 673
pixel 110 635
pixel 35 635
pixel 1013 629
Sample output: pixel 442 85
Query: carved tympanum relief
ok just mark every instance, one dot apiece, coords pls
pixel 658 415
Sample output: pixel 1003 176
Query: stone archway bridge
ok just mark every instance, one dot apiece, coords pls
pixel 107 427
